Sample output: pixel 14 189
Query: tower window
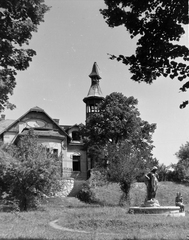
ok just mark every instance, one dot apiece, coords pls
pixel 76 163
pixel 94 108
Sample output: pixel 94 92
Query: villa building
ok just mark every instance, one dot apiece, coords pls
pixel 62 140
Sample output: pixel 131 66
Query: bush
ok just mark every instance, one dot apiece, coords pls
pixel 33 175
pixel 7 204
pixel 98 177
pixel 86 194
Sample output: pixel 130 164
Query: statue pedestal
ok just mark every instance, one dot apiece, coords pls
pixel 151 203
pixel 171 211
pixel 152 207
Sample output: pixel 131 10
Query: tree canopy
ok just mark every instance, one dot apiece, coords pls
pixel 117 139
pixel 18 20
pixel 158 26
pixel 118 120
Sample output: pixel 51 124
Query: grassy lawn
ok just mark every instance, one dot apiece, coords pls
pixel 99 222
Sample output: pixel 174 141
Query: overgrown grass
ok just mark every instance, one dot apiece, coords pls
pixel 166 193
pixel 100 222
pixel 116 221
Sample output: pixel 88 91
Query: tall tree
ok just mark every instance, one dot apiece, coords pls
pixel 118 119
pixel 18 20
pixel 126 164
pixel 158 26
pixel 118 139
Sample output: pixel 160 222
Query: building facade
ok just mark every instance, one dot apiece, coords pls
pixel 61 140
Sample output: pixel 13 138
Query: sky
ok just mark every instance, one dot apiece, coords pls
pixel 73 36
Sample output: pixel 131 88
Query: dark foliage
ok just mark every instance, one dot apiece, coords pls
pixel 158 26
pixel 86 194
pixel 18 20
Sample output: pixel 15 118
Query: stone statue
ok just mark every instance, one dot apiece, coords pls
pixel 179 201
pixel 151 181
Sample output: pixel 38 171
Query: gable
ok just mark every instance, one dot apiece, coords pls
pixel 34 118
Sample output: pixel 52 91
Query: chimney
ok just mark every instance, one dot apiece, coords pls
pixel 56 121
pixel 2 116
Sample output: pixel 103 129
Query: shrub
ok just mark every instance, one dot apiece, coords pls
pixel 86 194
pixel 33 174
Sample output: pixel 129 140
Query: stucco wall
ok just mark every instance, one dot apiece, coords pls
pixel 77 151
pixel 65 150
pixel 51 144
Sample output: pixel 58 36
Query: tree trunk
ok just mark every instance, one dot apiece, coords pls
pixel 125 188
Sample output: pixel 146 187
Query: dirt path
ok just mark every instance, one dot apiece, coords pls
pixel 54 225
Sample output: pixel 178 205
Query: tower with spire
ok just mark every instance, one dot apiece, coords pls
pixel 94 96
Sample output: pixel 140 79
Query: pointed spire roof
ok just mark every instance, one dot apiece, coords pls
pixel 94 90
pixel 95 72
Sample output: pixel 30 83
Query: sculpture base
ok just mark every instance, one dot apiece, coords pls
pixel 161 210
pixel 151 203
